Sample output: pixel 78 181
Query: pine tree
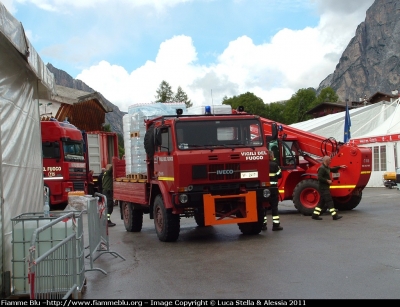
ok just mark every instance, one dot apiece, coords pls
pixel 181 96
pixel 164 93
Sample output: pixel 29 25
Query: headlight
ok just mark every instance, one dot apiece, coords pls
pixel 183 198
pixel 266 193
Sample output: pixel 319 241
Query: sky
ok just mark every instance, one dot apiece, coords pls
pixel 212 49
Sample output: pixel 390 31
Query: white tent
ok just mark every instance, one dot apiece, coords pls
pixel 24 79
pixel 376 126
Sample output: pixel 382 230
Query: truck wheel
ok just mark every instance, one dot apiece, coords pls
pixel 347 203
pixel 199 218
pixel 167 224
pixel 252 228
pixel 133 218
pixel 149 142
pixel 306 196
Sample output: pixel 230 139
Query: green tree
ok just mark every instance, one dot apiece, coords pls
pixel 327 95
pixel 121 147
pixel 164 93
pixel 275 111
pixel 181 96
pixel 297 106
pixel 251 103
pixel 107 128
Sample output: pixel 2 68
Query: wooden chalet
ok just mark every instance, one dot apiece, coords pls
pixel 84 110
pixel 326 108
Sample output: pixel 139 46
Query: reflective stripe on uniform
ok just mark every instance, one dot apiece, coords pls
pixel 333 211
pixel 273 174
pixel 317 211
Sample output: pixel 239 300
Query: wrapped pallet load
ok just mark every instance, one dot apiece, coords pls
pixel 77 201
pixel 134 131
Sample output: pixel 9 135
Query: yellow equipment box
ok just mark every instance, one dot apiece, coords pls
pixel 389 176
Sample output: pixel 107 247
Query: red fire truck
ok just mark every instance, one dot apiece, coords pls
pixel 69 154
pixel 64 166
pixel 207 166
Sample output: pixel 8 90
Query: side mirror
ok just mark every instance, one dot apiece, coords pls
pixel 157 137
pixel 57 154
pixel 274 133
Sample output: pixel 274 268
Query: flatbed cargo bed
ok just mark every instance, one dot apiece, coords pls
pixel 134 192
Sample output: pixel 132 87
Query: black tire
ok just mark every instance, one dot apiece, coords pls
pixel 347 203
pixel 252 228
pixel 149 142
pixel 199 218
pixel 133 218
pixel 166 223
pixel 306 196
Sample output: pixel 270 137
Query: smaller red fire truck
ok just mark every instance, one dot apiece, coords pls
pixel 69 154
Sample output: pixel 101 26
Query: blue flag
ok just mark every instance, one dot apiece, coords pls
pixel 347 125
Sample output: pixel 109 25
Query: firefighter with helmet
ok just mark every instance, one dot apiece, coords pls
pixel 274 174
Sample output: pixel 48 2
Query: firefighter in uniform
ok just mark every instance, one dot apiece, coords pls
pixel 324 182
pixel 274 174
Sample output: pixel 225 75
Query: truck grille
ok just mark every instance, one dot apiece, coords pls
pixel 213 172
pixel 79 186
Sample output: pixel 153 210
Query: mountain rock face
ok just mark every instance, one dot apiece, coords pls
pixel 371 61
pixel 113 118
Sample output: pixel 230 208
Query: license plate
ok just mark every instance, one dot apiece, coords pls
pixel 245 175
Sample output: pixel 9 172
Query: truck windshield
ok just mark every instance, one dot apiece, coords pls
pixel 73 151
pixel 218 133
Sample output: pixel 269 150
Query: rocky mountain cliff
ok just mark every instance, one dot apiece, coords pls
pixel 113 118
pixel 371 61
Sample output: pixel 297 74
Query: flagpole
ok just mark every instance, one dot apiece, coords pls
pixel 347 124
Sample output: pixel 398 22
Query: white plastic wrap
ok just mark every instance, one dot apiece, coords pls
pixel 135 130
pixel 138 153
pixel 157 108
pixel 126 126
pixel 215 109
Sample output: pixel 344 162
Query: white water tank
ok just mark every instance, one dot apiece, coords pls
pixel 23 230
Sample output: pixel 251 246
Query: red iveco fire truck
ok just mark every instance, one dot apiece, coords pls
pixel 206 166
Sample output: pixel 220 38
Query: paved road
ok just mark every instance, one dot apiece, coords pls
pixel 357 257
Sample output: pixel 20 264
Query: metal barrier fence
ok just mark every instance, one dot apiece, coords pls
pixel 36 244
pixel 53 274
pixel 48 253
pixel 98 231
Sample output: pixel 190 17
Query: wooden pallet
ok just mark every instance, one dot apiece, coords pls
pixel 132 178
pixel 136 176
pixel 135 134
